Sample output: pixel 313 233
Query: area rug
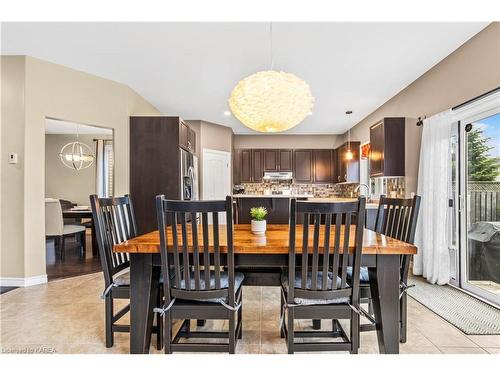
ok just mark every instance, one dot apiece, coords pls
pixel 468 314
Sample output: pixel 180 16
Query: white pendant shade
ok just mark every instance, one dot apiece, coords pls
pixel 271 101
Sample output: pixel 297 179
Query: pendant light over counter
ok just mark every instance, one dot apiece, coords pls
pixel 348 154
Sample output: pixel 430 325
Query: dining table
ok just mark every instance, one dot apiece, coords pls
pixel 80 214
pixel 262 258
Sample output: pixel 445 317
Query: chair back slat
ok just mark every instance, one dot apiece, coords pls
pixel 195 249
pixel 345 250
pixel 325 259
pixel 305 250
pixel 114 222
pixel 206 250
pixel 397 218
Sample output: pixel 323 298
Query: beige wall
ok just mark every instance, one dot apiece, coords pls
pixel 287 141
pixel 12 175
pixel 55 91
pixel 471 70
pixel 62 182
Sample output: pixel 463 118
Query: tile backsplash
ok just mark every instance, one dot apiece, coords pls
pixel 318 190
pixel 380 185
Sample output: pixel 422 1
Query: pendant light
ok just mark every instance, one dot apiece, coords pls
pixel 76 155
pixel 271 101
pixel 348 154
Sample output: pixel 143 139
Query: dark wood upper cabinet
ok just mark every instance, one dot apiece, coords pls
pixel 187 138
pixel 271 160
pixel 245 164
pixel 348 170
pixel 302 166
pixel 236 167
pixel 322 161
pixel 278 160
pixel 387 147
pixel 258 157
pixel 285 158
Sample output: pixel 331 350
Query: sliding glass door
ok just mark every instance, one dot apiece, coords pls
pixel 476 197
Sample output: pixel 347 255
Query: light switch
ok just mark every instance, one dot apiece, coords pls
pixel 12 158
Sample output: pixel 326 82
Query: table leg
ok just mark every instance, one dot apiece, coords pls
pixel 384 285
pixel 142 301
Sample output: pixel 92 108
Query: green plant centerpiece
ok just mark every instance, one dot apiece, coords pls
pixel 258 225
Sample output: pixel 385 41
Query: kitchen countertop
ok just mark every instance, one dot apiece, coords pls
pixel 310 198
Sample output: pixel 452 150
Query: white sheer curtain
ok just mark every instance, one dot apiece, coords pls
pixel 434 176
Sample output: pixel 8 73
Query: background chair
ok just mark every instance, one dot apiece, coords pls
pixel 317 288
pixel 57 230
pixel 396 218
pixel 204 284
pixel 115 222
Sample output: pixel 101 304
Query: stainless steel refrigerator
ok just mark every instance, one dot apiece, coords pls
pixel 189 176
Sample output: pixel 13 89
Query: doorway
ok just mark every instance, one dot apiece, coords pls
pixel 216 175
pixel 78 163
pixel 475 234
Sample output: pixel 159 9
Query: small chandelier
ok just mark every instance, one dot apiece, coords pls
pixel 271 101
pixel 76 155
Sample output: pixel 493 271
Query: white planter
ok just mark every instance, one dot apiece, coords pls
pixel 259 227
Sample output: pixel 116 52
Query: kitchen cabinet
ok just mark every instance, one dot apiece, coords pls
pixel 387 147
pixel 236 167
pixel 187 138
pixel 245 164
pixel 348 170
pixel 285 157
pixel 323 168
pixel 277 160
pixel 154 164
pixel 257 165
pixel 271 160
pixel 303 166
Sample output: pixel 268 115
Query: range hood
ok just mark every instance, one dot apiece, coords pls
pixel 278 176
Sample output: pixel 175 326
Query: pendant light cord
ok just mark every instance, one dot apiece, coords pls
pixel 271 44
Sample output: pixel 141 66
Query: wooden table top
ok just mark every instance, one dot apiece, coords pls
pixel 275 241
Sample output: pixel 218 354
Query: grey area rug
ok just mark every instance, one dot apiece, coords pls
pixel 468 314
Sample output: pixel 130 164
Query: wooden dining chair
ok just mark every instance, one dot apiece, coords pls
pixel 317 287
pixel 114 221
pixel 205 284
pixel 396 218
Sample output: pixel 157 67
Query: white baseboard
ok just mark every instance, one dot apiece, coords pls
pixel 23 281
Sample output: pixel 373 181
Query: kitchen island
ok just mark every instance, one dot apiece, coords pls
pixel 278 207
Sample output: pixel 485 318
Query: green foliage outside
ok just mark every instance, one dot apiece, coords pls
pixel 481 166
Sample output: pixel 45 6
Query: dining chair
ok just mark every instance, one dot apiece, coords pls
pixel 396 218
pixel 57 230
pixel 317 287
pixel 114 221
pixel 204 283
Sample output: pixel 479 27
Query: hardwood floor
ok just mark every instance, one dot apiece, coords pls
pixel 72 264
pixel 5 289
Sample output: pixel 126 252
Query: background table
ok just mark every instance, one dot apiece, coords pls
pixel 79 215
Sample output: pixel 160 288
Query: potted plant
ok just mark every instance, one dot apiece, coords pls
pixel 258 215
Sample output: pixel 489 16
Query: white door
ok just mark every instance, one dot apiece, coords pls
pixel 216 175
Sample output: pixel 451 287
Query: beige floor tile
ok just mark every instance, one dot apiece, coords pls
pixel 461 350
pixel 490 341
pixel 492 350
pixel 50 317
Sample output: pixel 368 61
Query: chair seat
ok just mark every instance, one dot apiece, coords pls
pixel 224 280
pixel 363 274
pixel 71 229
pixel 307 301
pixel 123 279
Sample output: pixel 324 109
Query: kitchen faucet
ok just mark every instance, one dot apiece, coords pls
pixel 367 190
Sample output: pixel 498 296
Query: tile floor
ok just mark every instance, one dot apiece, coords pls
pixel 66 316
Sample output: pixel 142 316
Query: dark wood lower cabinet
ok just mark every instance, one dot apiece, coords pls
pixel 278 209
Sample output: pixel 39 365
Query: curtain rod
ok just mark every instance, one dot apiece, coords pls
pixel 476 98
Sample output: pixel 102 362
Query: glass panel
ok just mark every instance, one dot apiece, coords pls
pixel 482 172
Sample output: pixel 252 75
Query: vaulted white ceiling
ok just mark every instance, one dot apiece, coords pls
pixel 189 69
